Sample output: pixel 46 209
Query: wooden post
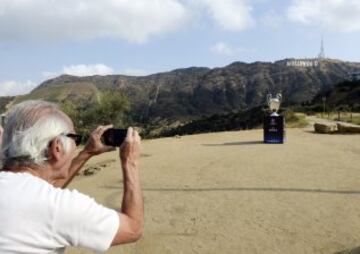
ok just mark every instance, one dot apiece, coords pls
pixel 323 100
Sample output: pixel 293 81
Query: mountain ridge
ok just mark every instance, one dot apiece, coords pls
pixel 194 92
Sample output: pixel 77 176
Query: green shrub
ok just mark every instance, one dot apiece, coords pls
pixel 111 108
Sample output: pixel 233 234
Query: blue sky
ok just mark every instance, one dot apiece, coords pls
pixel 41 39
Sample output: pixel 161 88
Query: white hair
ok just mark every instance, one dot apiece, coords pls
pixel 29 128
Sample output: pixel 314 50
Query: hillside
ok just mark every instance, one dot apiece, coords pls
pixel 193 93
pixel 242 120
pixel 80 93
pixel 344 94
pixel 4 101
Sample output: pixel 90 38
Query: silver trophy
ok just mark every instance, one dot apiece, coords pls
pixel 274 103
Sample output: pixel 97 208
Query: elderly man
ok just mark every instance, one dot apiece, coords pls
pixel 37 214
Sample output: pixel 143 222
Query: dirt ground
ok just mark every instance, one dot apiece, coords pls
pixel 230 193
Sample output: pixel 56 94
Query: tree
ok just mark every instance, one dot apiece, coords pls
pixel 111 107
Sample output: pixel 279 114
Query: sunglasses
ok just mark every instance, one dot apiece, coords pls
pixel 76 137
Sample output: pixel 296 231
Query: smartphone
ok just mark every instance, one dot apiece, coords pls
pixel 114 137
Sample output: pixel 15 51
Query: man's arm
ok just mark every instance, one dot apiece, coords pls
pixel 94 146
pixel 75 167
pixel 132 209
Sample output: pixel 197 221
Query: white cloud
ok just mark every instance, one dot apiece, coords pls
pixel 12 88
pixel 133 20
pixel 87 70
pixel 339 15
pixel 223 49
pixel 80 70
pixel 231 15
pixel 90 70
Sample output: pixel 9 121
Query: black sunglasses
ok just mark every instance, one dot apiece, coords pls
pixel 76 137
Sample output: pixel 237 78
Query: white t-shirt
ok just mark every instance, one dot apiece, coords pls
pixel 36 217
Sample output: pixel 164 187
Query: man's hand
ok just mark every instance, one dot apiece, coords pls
pixel 94 146
pixel 130 149
pixel 132 208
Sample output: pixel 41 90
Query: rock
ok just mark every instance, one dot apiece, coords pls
pixel 347 128
pixel 90 171
pixel 325 128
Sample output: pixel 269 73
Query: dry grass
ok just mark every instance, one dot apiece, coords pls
pixel 342 116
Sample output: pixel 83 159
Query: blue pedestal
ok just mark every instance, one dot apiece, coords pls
pixel 274 129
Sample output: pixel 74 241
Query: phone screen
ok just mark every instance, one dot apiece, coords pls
pixel 114 137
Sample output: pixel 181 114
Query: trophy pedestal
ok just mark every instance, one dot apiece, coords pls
pixel 274 129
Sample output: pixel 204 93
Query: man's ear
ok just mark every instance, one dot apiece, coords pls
pixel 56 150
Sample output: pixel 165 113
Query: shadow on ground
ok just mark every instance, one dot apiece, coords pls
pixel 256 142
pixel 255 189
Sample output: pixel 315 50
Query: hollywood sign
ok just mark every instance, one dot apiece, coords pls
pixel 302 63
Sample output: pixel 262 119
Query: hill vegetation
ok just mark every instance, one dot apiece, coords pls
pixel 345 95
pixel 108 108
pixel 81 94
pixel 4 102
pixel 194 100
pixel 194 93
pixel 241 120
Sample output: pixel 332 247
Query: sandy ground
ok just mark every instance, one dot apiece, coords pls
pixel 230 193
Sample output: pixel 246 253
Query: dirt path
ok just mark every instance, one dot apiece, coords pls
pixel 230 193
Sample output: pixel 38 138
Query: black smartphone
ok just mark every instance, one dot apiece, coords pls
pixel 114 137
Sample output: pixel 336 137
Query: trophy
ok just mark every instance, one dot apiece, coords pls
pixel 274 103
pixel 274 124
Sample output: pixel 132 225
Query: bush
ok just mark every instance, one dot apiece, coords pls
pixel 295 120
pixel 110 108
